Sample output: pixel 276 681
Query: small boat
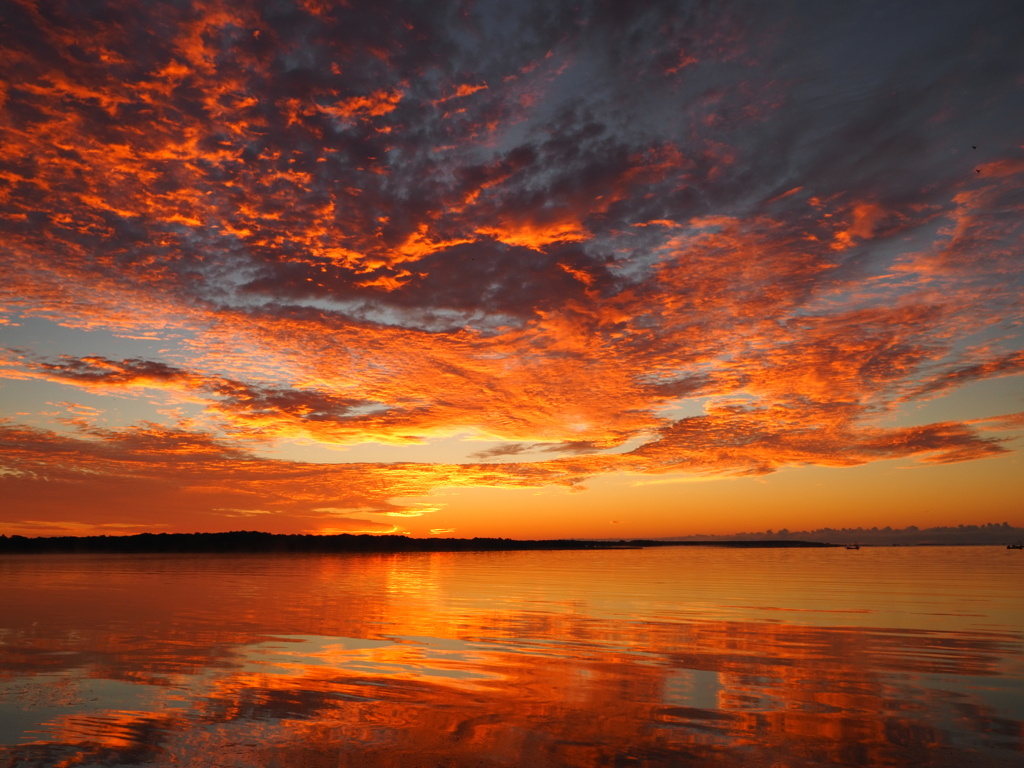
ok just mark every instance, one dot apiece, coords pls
pixel 853 546
pixel 1018 545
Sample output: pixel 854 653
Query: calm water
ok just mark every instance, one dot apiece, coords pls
pixel 663 657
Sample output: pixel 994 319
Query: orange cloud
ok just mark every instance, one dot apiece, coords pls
pixel 864 218
pixel 465 89
pixel 262 238
pixel 374 105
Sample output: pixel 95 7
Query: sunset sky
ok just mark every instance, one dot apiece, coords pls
pixel 526 269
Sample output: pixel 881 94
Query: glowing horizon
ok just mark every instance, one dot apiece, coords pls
pixel 534 271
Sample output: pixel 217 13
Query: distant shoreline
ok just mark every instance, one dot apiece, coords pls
pixel 257 542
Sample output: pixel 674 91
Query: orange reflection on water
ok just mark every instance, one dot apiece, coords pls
pixel 653 657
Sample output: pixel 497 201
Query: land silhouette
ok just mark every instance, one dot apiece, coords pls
pixel 258 541
pixel 987 533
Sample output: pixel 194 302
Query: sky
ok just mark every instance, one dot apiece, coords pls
pixel 532 269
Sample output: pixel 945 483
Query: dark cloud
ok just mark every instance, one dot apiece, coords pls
pixel 245 406
pixel 511 449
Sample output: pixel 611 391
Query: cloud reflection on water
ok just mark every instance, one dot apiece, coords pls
pixel 343 661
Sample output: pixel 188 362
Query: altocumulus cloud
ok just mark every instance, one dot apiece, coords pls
pixel 543 224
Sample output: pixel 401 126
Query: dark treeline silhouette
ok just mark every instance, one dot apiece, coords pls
pixel 257 541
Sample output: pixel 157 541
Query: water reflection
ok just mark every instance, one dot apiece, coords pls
pixel 653 657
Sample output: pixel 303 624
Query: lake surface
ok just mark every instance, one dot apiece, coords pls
pixel 658 657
